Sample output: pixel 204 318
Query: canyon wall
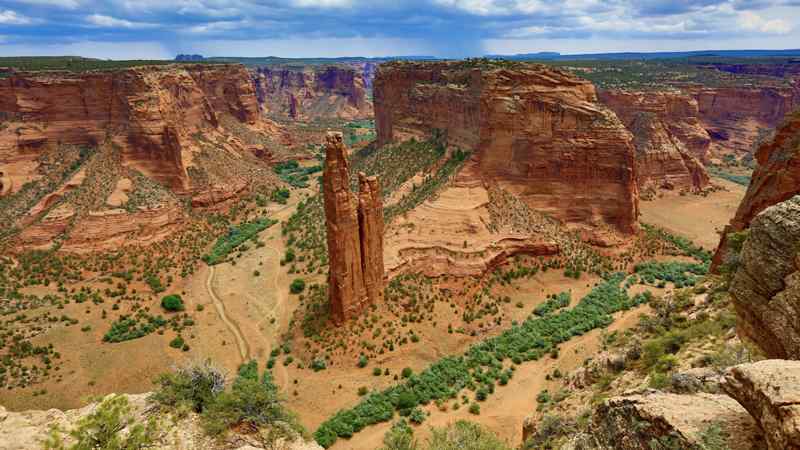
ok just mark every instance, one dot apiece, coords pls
pixel 185 128
pixel 734 116
pixel 313 92
pixel 667 135
pixel 537 131
pixel 775 179
pixel 354 234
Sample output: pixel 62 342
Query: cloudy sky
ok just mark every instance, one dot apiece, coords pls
pixel 121 29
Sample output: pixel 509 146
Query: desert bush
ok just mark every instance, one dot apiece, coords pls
pixel 297 286
pixel 192 386
pixel 464 435
pixel 399 437
pixel 172 303
pixel 103 428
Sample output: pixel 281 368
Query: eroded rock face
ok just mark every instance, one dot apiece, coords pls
pixel 180 126
pixel 633 422
pixel 667 136
pixel 354 234
pixel 536 131
pixel 766 288
pixel 313 92
pixel 734 115
pixel 775 179
pixel 770 391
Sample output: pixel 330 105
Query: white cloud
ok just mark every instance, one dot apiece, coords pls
pixel 99 20
pixel 215 27
pixel 9 17
pixel 66 4
pixel 322 3
pixel 753 22
pixel 93 49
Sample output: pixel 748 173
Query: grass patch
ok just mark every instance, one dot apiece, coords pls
pixel 236 236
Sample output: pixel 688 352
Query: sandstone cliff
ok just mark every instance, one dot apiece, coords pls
pixel 354 235
pixel 313 92
pixel 775 179
pixel 162 131
pixel 733 116
pixel 766 288
pixel 536 131
pixel 667 136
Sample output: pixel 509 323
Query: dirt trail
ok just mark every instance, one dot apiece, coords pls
pixel 244 349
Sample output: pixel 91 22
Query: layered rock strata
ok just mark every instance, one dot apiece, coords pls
pixel 667 136
pixel 313 92
pixel 536 131
pixel 775 179
pixel 735 116
pixel 354 234
pixel 184 129
pixel 766 288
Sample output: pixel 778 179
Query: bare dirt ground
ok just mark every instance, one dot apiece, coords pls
pixel 698 218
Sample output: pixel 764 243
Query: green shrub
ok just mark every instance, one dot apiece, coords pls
pixel 464 435
pixel 101 429
pixel 417 416
pixel 362 361
pixel 399 437
pixel 177 342
pixel 192 386
pixel 407 372
pixel 297 286
pixel 172 303
pixel 475 409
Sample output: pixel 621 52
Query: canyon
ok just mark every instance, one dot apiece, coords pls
pixel 314 92
pixel 537 131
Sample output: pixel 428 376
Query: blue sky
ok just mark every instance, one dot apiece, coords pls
pixel 121 29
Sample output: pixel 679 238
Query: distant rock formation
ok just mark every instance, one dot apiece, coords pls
pixel 667 136
pixel 311 92
pixel 537 131
pixel 354 233
pixel 775 179
pixel 188 58
pixel 734 116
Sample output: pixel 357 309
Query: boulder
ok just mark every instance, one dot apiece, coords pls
pixel 770 391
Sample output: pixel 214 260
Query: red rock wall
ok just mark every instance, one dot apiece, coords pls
pixel 370 225
pixel 539 132
pixel 313 92
pixel 775 179
pixel 149 111
pixel 667 136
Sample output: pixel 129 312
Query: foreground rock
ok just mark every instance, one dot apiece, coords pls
pixel 28 430
pixel 770 391
pixel 766 288
pixel 536 131
pixel 638 421
pixel 354 234
pixel 667 136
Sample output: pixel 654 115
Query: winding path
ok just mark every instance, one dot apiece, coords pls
pixel 244 349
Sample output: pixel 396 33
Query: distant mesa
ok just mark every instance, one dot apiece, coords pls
pixel 186 58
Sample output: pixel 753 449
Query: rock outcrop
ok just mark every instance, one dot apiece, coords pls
pixel 765 290
pixel 775 179
pixel 354 234
pixel 667 136
pixel 537 131
pixel 28 430
pixel 635 421
pixel 770 391
pixel 313 92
